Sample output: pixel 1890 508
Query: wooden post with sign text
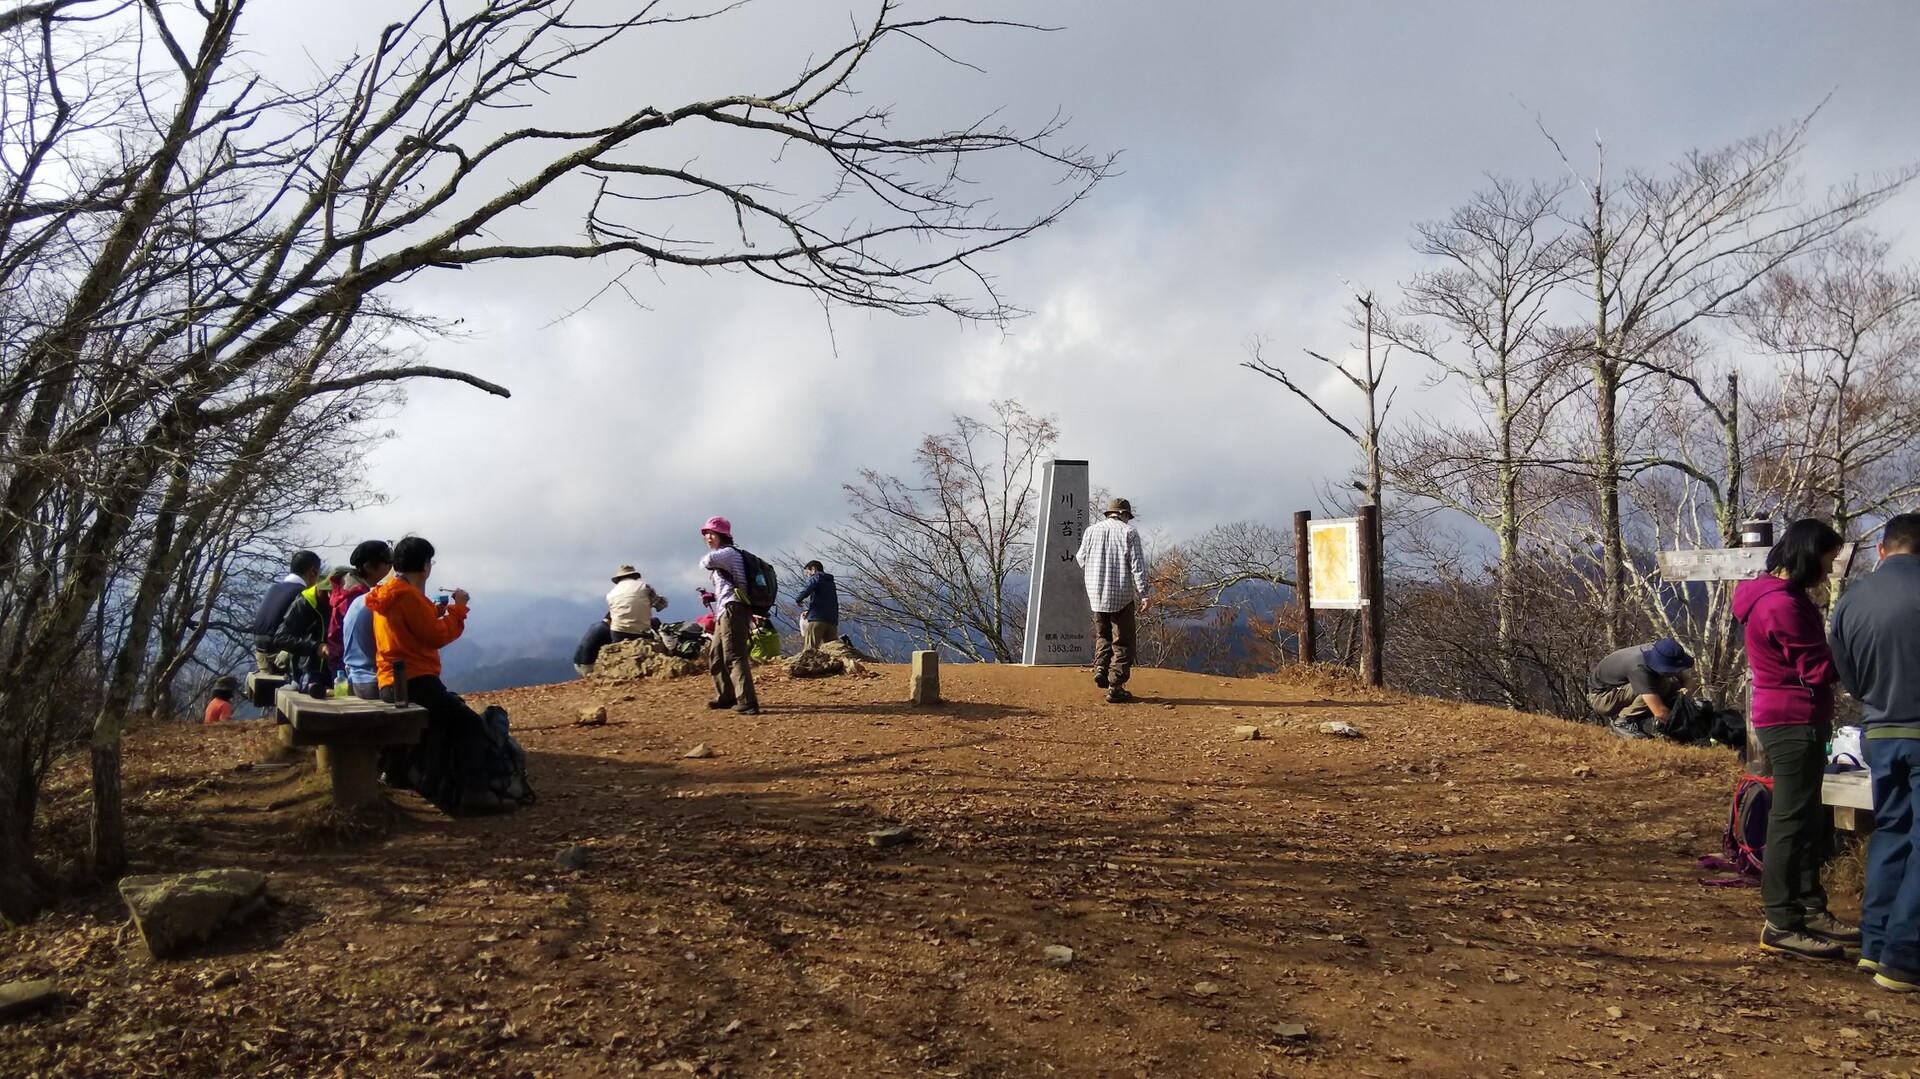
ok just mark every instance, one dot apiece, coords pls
pixel 1341 574
pixel 1735 564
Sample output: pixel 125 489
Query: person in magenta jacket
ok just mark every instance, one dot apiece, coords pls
pixel 1793 680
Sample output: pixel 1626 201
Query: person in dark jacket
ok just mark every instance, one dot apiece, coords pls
pixel 1876 648
pixel 819 601
pixel 302 636
pixel 303 570
pixel 588 650
pixel 1793 679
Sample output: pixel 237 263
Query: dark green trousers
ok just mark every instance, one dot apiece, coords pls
pixel 1797 826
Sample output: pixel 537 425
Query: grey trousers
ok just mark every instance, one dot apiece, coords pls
pixel 731 669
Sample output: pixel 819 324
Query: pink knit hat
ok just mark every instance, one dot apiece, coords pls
pixel 718 524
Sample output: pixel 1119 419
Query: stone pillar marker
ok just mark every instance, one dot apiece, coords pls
pixel 926 678
pixel 1059 619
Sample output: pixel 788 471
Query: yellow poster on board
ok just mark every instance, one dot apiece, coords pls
pixel 1333 562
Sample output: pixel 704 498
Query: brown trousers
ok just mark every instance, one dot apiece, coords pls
pixel 1113 644
pixel 815 634
pixel 727 656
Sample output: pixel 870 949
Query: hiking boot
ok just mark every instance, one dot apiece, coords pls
pixel 1827 927
pixel 1871 966
pixel 720 702
pixel 1794 942
pixel 1631 731
pixel 1895 980
pixel 1100 679
pixel 748 709
pixel 1119 695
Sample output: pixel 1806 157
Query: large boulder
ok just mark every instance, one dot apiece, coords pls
pixel 827 660
pixel 175 912
pixel 814 663
pixel 624 661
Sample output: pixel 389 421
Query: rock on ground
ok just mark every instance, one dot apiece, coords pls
pixel 643 658
pixel 23 998
pixel 174 912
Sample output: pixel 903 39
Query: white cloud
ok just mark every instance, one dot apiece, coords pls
pixel 1270 151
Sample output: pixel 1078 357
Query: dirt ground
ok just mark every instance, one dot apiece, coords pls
pixel 1462 892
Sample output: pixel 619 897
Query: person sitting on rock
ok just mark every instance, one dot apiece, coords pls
pixel 630 605
pixel 1634 688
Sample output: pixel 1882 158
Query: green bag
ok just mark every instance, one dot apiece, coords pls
pixel 765 642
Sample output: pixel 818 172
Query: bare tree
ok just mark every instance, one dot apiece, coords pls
pixel 1834 436
pixel 187 247
pixel 1660 252
pixel 936 557
pixel 1481 319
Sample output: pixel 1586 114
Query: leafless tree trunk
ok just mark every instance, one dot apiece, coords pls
pixel 934 558
pixel 210 251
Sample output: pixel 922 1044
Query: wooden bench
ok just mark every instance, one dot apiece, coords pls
pixel 349 733
pixel 1851 796
pixel 262 686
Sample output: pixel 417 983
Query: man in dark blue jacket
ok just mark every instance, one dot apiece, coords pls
pixel 303 571
pixel 819 601
pixel 1876 647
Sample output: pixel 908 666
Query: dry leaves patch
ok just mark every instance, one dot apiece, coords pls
pixel 1458 892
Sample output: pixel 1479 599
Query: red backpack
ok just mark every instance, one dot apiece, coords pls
pixel 1745 839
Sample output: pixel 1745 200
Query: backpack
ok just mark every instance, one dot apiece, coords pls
pixel 466 767
pixel 761 589
pixel 682 639
pixel 1745 840
pixel 506 763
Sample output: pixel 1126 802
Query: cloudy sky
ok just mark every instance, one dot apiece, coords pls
pixel 1270 150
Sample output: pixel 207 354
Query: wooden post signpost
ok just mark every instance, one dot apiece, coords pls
pixel 1737 564
pixel 1337 564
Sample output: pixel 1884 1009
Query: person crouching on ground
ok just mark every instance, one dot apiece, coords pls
pixel 1792 714
pixel 1876 647
pixel 1638 683
pixel 731 666
pixel 819 601
pixel 1116 573
pixel 360 653
pixel 220 708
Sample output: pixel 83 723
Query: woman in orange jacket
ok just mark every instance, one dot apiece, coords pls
pixel 409 629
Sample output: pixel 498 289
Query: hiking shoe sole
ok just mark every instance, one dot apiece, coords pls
pixel 1871 966
pixel 1100 680
pixel 747 710
pixel 1895 985
pixel 717 705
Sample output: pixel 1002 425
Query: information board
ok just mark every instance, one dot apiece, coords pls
pixel 1333 559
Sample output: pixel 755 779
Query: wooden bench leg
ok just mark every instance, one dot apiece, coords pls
pixel 354 772
pixel 1849 819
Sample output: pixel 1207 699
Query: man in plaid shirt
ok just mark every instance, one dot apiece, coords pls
pixel 1116 571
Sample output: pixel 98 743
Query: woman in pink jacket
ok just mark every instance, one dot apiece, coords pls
pixel 1793 680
